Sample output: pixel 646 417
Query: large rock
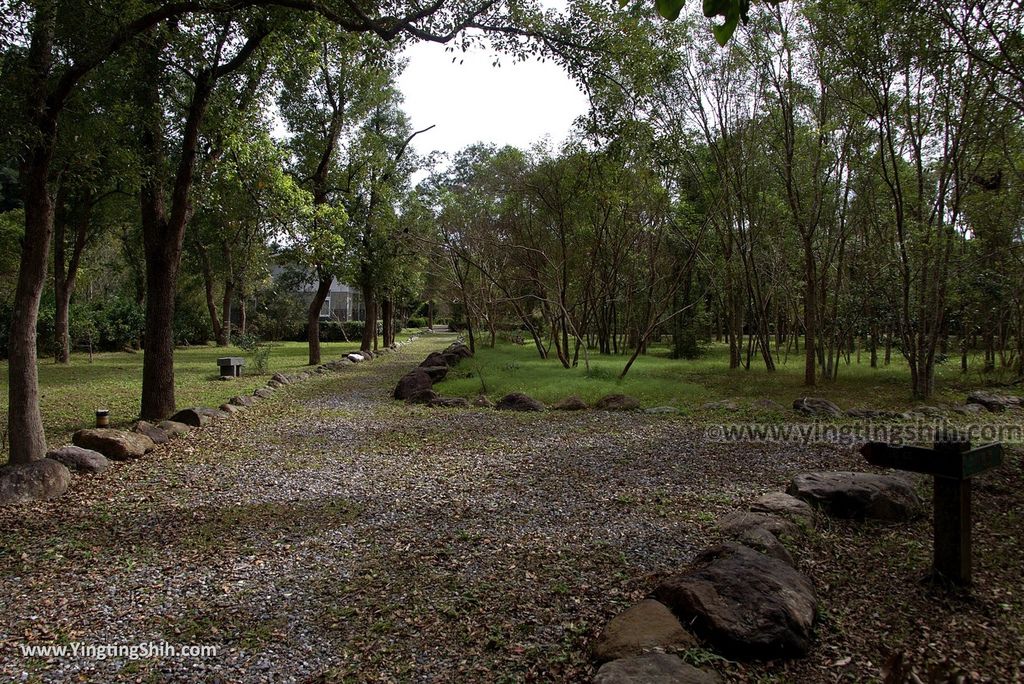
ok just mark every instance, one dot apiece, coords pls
pixel 355 358
pixel 173 429
pixel 762 540
pixel 858 495
pixel 198 416
pixel 518 401
pixel 242 401
pixel 653 668
pixel 79 460
pixel 434 359
pixel 232 409
pixel 785 506
pixel 451 358
pixel 115 444
pixel 263 392
pixel 155 433
pixel 817 407
pixel 617 402
pixel 662 410
pixel 412 382
pixel 423 396
pixel 436 373
pixel 737 523
pixel 647 626
pixel 281 378
pixel 744 603
pixel 460 350
pixel 42 479
pixel 994 402
pixel 573 403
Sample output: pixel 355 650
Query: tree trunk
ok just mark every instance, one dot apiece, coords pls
pixel 810 316
pixel 65 271
pixel 158 361
pixel 211 302
pixel 370 324
pixel 323 289
pixel 387 316
pixel 225 326
pixel 24 420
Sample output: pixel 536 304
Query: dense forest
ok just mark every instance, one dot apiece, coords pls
pixel 809 179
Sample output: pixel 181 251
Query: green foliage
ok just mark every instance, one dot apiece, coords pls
pixel 257 350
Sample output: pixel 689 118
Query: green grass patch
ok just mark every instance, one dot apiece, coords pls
pixel 655 379
pixel 69 394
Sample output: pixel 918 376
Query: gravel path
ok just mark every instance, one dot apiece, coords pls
pixel 331 534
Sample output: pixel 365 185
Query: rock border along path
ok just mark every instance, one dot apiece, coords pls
pixel 92 449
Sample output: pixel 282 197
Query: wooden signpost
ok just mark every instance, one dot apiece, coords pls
pixel 952 464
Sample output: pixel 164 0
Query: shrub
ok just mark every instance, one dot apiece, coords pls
pixel 257 350
pixel 416 322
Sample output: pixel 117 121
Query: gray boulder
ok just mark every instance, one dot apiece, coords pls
pixel 460 350
pixel 436 373
pixel 647 626
pixel 242 401
pixel 744 603
pixel 198 416
pixel 736 523
pixel 173 429
pixel 434 359
pixel 617 402
pixel 518 401
pixel 412 382
pixel 116 444
pixel 858 495
pixel 816 407
pixel 995 403
pixel 79 460
pixel 281 378
pixel 785 506
pixel 662 410
pixel 762 540
pixel 653 668
pixel 572 403
pixel 263 392
pixel 355 358
pixel 231 409
pixel 423 396
pixel 155 433
pixel 35 481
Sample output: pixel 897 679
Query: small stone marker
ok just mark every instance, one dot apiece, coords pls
pixel 230 366
pixel 952 465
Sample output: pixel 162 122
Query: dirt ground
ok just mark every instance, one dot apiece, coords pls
pixel 331 534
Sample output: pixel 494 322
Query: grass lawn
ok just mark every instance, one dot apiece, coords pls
pixel 657 380
pixel 70 394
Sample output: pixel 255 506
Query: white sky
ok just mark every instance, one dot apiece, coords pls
pixel 515 104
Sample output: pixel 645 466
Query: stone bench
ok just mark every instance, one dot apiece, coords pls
pixel 230 366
